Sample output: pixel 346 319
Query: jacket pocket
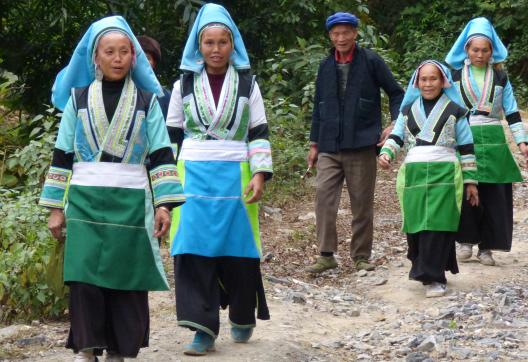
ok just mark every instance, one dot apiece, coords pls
pixel 329 116
pixel 366 112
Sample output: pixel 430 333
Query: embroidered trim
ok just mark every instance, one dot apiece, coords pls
pixel 217 118
pixel 427 125
pixel 55 187
pixel 166 185
pixel 517 130
pixel 390 148
pixel 259 154
pixel 479 101
pixel 111 136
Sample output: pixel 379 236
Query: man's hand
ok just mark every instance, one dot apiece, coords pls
pixel 162 221
pixel 256 187
pixel 472 194
pixel 384 161
pixel 384 135
pixel 56 223
pixel 313 154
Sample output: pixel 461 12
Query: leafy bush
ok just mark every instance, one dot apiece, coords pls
pixel 26 246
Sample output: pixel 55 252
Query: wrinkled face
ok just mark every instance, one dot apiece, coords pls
pixel 479 52
pixel 114 56
pixel 430 81
pixel 216 48
pixel 343 37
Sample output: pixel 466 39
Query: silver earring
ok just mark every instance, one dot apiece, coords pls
pixel 98 73
pixel 467 61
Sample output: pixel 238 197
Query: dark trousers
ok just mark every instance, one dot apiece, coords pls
pixel 490 225
pixel 110 319
pixel 358 168
pixel 206 284
pixel 431 254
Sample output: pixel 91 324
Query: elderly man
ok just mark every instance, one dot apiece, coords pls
pixel 346 127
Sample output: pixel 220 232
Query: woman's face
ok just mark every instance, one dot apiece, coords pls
pixel 479 52
pixel 114 56
pixel 216 48
pixel 430 81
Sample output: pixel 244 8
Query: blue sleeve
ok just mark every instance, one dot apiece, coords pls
pixel 66 136
pixel 509 104
pixel 394 143
pixel 463 132
pixel 157 133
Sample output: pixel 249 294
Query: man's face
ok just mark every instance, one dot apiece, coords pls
pixel 343 36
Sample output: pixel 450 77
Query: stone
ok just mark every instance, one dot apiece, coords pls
pixel 354 312
pixel 460 353
pixel 417 357
pixel 379 281
pixel 268 257
pixel 427 344
pixel 296 297
pixel 24 342
pixel 362 273
pixel 308 216
pixel 11 331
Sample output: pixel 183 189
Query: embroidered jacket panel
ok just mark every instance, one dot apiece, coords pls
pixel 239 115
pixel 446 126
pixel 136 132
pixel 494 100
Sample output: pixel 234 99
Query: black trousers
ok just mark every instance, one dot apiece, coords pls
pixel 431 254
pixel 491 223
pixel 205 284
pixel 110 319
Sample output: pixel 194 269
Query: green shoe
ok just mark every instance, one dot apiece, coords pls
pixel 201 344
pixel 322 263
pixel 241 335
pixel 363 264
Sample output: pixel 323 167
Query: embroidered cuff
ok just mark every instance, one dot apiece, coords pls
pixel 55 188
pixel 166 185
pixel 390 148
pixel 469 168
pixel 517 130
pixel 260 156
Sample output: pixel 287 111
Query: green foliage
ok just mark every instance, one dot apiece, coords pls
pixel 26 245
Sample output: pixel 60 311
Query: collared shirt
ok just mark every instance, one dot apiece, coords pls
pixel 344 59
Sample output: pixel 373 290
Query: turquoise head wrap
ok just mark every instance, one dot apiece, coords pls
pixel 192 59
pixel 476 27
pixel 80 71
pixel 413 92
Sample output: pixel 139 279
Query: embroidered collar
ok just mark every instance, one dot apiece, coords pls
pixel 480 100
pixel 428 124
pixel 111 137
pixel 216 117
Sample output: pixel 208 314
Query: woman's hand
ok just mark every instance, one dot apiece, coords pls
pixel 524 150
pixel 162 221
pixel 384 161
pixel 256 187
pixel 56 224
pixel 472 194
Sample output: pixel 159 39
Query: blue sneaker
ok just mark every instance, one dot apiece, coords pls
pixel 241 335
pixel 201 344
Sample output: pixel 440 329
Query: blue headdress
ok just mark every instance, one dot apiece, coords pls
pixel 192 58
pixel 341 18
pixel 412 93
pixel 476 27
pixel 80 71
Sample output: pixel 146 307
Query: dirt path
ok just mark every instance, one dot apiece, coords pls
pixel 343 315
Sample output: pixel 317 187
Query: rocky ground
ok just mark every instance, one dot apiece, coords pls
pixel 344 315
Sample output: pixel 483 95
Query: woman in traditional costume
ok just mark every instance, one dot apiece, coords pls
pixel 217 110
pixel 430 181
pixel 486 91
pixel 98 187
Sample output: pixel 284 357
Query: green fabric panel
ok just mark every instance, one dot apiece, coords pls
pixel 495 164
pixel 242 130
pixel 111 205
pixel 175 224
pixel 429 197
pixel 251 209
pixel 106 250
pixel 191 125
pixel 491 134
pixel 459 180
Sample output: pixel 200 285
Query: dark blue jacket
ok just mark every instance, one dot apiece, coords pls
pixel 357 122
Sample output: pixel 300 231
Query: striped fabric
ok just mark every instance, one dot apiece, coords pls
pixel 469 168
pixel 260 156
pixel 390 148
pixel 55 187
pixel 165 182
